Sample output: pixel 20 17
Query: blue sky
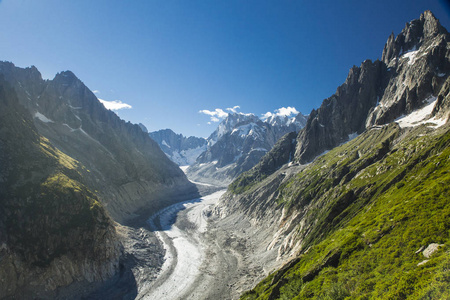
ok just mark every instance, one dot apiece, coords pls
pixel 169 60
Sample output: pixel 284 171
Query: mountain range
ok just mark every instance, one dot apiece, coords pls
pixel 180 149
pixel 238 143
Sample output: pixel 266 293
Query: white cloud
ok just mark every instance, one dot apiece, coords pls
pixel 96 91
pixel 218 114
pixel 234 109
pixel 115 105
pixel 215 115
pixel 283 111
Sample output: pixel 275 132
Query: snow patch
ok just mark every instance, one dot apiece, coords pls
pixel 421 116
pixel 245 130
pixel 165 143
pixel 187 157
pixel 411 56
pixel 43 118
pixel 353 135
pixel 259 149
pixel 184 168
pixel 71 129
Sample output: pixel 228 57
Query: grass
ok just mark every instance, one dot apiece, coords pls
pixel 370 205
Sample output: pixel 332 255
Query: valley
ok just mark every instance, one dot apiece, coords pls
pixel 349 202
pixel 185 252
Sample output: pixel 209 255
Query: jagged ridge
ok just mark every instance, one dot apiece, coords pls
pixel 125 166
pixel 53 230
pixel 344 217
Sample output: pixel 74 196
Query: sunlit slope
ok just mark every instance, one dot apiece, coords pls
pixel 369 210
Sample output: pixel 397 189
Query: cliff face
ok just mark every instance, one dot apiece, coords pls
pixel 413 69
pixel 53 230
pixel 368 189
pixel 123 164
pixel 343 114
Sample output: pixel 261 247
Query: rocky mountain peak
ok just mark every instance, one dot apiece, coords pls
pixel 230 123
pixel 276 120
pixel 180 149
pixel 412 36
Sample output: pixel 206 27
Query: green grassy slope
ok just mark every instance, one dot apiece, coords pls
pixel 369 206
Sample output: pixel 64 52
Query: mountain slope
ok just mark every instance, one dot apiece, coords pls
pixel 238 144
pixel 366 199
pixel 126 167
pixel 180 149
pixel 365 212
pixel 53 230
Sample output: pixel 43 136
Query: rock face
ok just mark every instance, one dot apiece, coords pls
pixel 53 230
pixel 180 149
pixel 281 154
pixel 343 114
pixel 238 144
pixel 413 70
pixel 122 162
pixel 67 165
pixel 387 131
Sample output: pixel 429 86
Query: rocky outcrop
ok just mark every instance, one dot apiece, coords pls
pixel 343 114
pixel 55 236
pixel 412 71
pixel 412 36
pixel 238 144
pixel 418 63
pixel 180 149
pixel 387 133
pixel 122 163
pixel 281 154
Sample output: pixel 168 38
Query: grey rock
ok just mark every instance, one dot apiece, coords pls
pixel 125 166
pixel 180 149
pixel 431 249
pixel 414 68
pixel 238 144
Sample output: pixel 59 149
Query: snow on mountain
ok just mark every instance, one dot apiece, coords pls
pixel 239 142
pixel 180 149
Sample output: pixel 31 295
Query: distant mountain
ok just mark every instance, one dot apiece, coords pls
pixel 238 143
pixel 180 149
pixel 361 211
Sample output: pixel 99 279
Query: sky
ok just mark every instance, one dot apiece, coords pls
pixel 184 64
